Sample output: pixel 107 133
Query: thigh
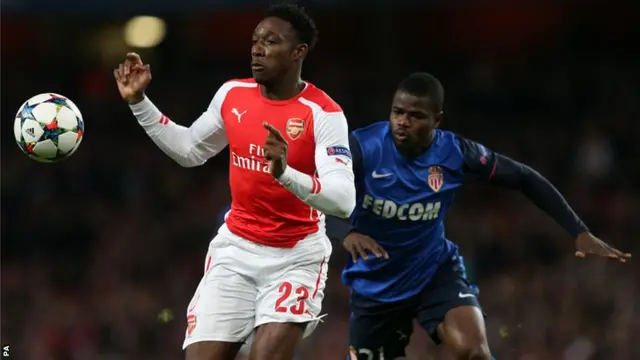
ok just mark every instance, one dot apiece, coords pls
pixel 463 331
pixel 447 290
pixel 223 306
pixel 276 341
pixel 292 288
pixel 243 353
pixel 212 350
pixel 379 331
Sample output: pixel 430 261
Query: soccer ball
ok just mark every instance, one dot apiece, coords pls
pixel 48 127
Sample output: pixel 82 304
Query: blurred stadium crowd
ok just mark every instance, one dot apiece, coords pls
pixel 101 254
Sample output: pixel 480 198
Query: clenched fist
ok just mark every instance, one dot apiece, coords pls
pixel 132 77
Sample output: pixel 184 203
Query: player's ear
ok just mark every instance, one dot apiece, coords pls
pixel 437 120
pixel 300 52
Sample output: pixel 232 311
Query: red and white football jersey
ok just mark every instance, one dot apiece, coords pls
pixel 318 179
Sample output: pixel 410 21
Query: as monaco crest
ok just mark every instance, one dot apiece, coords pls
pixel 435 178
pixel 295 128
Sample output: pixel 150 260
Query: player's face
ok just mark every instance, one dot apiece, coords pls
pixel 274 51
pixel 412 120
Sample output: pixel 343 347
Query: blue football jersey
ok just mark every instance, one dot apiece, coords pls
pixel 401 203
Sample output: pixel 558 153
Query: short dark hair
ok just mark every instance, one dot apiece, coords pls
pixel 300 21
pixel 424 84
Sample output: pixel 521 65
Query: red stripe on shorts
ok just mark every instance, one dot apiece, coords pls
pixel 208 266
pixel 315 290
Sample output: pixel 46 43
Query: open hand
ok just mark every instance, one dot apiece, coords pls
pixel 275 151
pixel 359 245
pixel 587 244
pixel 132 77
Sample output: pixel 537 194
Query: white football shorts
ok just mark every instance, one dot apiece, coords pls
pixel 246 284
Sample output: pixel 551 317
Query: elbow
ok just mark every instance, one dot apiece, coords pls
pixel 190 157
pixel 343 212
pixel 187 164
pixel 188 161
pixel 345 205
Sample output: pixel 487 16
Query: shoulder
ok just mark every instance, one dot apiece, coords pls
pixel 237 84
pixel 446 135
pixel 451 148
pixel 459 143
pixel 377 129
pixel 319 100
pixel 230 86
pixel 448 139
pixel 448 145
pixel 371 138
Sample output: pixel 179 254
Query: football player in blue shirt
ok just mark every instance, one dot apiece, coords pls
pixel 403 266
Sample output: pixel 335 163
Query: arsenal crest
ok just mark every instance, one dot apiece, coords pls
pixel 295 128
pixel 435 178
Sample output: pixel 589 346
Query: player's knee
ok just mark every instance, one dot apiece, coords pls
pixel 472 350
pixel 480 352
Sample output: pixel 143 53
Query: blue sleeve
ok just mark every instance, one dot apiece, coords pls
pixel 337 228
pixel 479 163
pixel 482 164
pixel 356 155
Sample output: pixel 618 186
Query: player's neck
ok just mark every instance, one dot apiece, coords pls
pixel 289 87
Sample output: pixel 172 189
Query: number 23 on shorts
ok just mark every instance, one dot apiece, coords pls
pixel 301 293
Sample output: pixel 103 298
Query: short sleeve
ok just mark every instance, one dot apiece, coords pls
pixel 478 162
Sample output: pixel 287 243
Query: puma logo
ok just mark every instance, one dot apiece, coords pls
pixel 238 114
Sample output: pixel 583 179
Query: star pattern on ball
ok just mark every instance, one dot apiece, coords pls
pixel 57 100
pixel 27 112
pixel 52 131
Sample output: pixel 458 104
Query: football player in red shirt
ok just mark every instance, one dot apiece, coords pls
pixel 290 164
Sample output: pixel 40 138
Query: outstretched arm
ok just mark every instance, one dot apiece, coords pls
pixel 188 146
pixel 333 191
pixel 483 164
